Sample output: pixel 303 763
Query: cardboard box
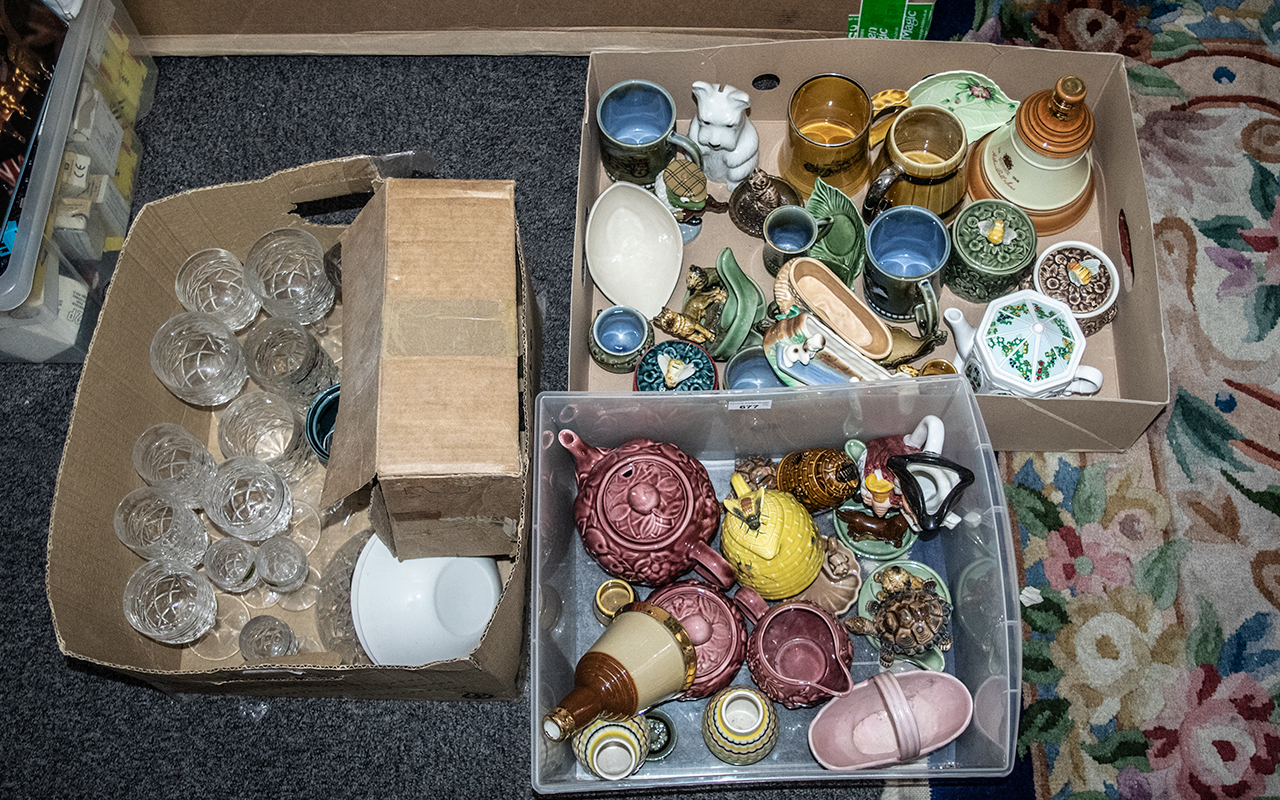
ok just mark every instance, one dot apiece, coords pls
pixel 546 27
pixel 975 560
pixel 119 397
pixel 1130 352
pixel 429 412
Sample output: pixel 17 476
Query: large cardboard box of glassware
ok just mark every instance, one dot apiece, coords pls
pixel 1130 352
pixel 217 27
pixel 394 280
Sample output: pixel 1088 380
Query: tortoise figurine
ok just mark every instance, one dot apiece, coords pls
pixel 908 618
pixel 896 578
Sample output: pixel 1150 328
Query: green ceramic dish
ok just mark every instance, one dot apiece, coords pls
pixel 931 658
pixel 870 548
pixel 844 248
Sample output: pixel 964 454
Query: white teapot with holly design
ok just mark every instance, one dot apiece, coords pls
pixel 1027 344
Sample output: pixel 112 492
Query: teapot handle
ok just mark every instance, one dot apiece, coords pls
pixel 1088 380
pixel 712 566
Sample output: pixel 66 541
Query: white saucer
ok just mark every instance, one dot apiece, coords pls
pixel 415 612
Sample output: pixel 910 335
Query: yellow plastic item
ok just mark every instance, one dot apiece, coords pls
pixel 770 540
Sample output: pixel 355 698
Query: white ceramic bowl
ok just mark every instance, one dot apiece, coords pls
pixel 415 612
pixel 634 250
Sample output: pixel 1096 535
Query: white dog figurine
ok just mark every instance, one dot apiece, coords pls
pixel 728 141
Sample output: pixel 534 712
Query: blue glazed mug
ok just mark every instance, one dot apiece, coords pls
pixel 789 232
pixel 636 120
pixel 907 247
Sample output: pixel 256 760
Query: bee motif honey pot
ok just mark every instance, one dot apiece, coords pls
pixel 770 540
pixel 819 477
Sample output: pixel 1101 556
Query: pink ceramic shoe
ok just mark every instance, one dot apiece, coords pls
pixel 890 719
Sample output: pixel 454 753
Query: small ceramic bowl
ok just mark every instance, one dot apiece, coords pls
pixel 619 336
pixel 749 369
pixel 675 366
pixel 634 248
pixel 422 610
pixel 611 596
pixel 1082 276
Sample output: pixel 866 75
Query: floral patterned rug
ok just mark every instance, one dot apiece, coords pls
pixel 1151 665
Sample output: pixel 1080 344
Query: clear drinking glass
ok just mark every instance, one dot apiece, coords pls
pixel 223 639
pixel 282 565
pixel 231 564
pixel 212 282
pixel 169 602
pixel 285 269
pixel 284 358
pixel 265 426
pixel 267 637
pixel 198 359
pixel 248 499
pixel 154 524
pixel 168 457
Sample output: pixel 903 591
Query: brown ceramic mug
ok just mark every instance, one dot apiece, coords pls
pixel 828 123
pixel 921 164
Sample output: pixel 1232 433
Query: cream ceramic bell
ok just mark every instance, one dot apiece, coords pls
pixel 1040 161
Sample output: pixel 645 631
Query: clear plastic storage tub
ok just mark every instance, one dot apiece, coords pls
pixel 975 559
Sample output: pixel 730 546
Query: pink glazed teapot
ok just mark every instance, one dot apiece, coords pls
pixel 646 511
pixel 717 626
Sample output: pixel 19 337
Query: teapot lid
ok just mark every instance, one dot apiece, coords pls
pixel 717 628
pixel 1031 340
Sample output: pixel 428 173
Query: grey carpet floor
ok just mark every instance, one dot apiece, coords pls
pixel 69 729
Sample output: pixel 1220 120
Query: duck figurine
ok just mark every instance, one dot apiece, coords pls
pixel 770 540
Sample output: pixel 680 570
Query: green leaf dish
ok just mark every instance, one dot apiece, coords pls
pixel 844 248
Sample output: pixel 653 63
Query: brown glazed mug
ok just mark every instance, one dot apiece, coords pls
pixel 828 121
pixel 921 164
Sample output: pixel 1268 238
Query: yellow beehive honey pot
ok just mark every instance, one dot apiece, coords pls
pixel 770 540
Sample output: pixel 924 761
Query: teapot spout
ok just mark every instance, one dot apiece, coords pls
pixel 962 332
pixel 584 455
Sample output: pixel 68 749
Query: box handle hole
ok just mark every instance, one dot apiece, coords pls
pixel 1126 249
pixel 766 82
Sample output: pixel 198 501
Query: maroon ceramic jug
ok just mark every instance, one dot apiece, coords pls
pixel 717 626
pixel 646 511
pixel 799 655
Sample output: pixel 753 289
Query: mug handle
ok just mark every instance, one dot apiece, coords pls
pixel 688 146
pixel 875 202
pixel 823 225
pixel 750 602
pixel 1088 380
pixel 927 310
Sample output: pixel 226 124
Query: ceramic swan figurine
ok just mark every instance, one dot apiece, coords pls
pixel 729 143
